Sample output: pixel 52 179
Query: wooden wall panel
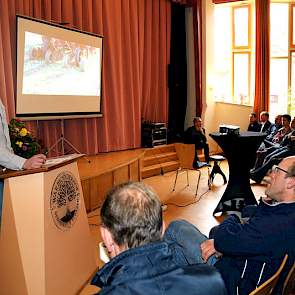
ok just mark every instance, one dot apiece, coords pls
pixel 86 192
pixel 98 187
pixel 121 175
pixel 133 171
pixel 106 170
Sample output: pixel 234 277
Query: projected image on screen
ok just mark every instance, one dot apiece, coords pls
pixel 54 66
pixel 59 71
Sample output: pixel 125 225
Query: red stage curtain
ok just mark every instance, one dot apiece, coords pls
pixel 224 1
pixel 182 2
pixel 135 59
pixel 197 23
pixel 262 56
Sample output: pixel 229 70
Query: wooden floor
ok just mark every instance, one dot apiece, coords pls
pixel 180 204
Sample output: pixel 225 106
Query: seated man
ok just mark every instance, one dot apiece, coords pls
pixel 141 262
pixel 253 123
pixel 277 142
pixel 8 159
pixel 274 128
pixel 265 125
pixel 196 135
pixel 248 253
pixel 285 149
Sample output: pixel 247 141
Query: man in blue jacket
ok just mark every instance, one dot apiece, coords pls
pixel 248 253
pixel 142 262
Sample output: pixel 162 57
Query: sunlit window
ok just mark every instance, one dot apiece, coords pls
pixel 282 60
pixel 232 60
pixel 241 78
pixel 279 20
pixel 291 92
pixel 223 55
pixel 279 58
pixel 234 71
pixel 278 86
pixel 241 25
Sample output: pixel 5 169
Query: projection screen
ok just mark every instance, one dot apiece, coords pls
pixel 58 71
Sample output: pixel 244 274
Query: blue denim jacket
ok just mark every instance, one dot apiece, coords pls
pixel 157 268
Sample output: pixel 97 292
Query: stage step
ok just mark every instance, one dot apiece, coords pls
pixel 159 160
pixel 159 169
pixel 159 150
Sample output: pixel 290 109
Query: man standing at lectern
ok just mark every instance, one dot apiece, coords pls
pixel 8 159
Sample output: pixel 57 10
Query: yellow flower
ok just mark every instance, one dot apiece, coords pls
pixel 23 132
pixel 19 143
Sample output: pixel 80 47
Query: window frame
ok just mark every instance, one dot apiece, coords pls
pixel 241 50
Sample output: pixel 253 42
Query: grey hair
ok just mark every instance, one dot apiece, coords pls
pixel 132 212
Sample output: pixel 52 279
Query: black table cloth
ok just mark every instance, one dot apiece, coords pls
pixel 240 152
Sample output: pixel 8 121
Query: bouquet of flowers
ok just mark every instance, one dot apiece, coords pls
pixel 22 141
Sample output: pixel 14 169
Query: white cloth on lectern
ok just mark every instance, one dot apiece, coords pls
pixel 7 158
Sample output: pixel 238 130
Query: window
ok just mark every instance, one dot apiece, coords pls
pixel 279 52
pixel 234 56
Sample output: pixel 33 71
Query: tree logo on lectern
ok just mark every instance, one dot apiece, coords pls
pixel 65 200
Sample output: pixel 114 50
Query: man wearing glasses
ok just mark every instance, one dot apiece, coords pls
pixel 247 253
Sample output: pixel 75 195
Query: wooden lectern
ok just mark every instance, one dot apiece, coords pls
pixel 45 242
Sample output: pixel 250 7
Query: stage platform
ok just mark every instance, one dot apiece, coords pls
pixel 101 172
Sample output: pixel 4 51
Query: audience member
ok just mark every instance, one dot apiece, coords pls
pixel 286 128
pixel 196 134
pixel 285 149
pixel 247 253
pixel 276 143
pixel 274 128
pixel 253 123
pixel 265 124
pixel 141 261
pixel 8 159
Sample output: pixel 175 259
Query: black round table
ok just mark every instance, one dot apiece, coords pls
pixel 240 152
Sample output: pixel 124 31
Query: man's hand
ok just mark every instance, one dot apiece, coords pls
pixel 207 249
pixel 35 162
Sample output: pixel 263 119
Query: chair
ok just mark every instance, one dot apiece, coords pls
pixel 289 284
pixel 186 156
pixel 216 168
pixel 268 286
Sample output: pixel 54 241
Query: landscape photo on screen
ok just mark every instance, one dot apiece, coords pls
pixel 55 66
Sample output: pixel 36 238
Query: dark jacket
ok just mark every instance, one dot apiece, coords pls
pixel 192 135
pixel 256 247
pixel 266 127
pixel 273 129
pixel 153 269
pixel 254 127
